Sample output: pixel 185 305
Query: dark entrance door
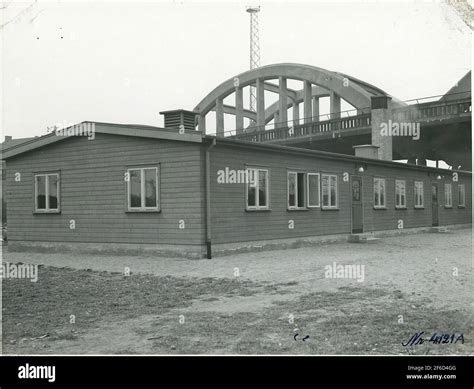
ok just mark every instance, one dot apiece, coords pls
pixel 357 217
pixel 434 205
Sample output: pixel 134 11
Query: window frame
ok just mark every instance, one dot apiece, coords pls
pixel 463 187
pixel 318 190
pixel 401 206
pixel 257 206
pixel 296 206
pixel 415 186
pixel 450 197
pixel 47 208
pixel 384 205
pixel 329 207
pixel 143 208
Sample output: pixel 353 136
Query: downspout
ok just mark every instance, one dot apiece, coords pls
pixel 208 200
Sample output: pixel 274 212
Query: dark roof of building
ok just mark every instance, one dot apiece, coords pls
pixel 13 142
pixel 137 130
pixel 326 154
pixel 197 137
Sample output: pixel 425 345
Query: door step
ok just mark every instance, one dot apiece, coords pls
pixel 441 229
pixel 362 238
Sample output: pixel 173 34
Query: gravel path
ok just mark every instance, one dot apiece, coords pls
pixel 422 264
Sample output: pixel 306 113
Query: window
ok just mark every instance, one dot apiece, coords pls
pixel 143 189
pixel 419 198
pixel 379 193
pixel 47 192
pixel 400 194
pixel 257 191
pixel 296 190
pixel 461 195
pixel 313 189
pixel 329 191
pixel 448 195
pixel 356 184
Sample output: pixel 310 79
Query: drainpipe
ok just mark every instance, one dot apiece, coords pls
pixel 208 199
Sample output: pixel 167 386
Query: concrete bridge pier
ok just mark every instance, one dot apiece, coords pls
pixel 335 105
pixel 260 105
pixel 239 110
pixel 296 113
pixel 219 116
pixel 316 109
pixel 282 100
pixel 307 94
pixel 381 113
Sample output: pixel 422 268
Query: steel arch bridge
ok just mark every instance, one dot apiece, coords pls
pixel 317 83
pixel 445 120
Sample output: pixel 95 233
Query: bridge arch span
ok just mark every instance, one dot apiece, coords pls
pixel 317 82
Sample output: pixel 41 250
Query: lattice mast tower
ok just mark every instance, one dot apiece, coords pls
pixel 254 51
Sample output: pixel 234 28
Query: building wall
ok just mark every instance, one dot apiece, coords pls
pixel 93 192
pixel 385 219
pixel 232 223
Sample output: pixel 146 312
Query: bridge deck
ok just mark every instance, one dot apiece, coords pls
pixel 431 113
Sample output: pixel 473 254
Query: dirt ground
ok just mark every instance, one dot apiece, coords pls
pixel 275 302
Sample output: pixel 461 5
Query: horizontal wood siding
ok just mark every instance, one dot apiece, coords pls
pixel 388 218
pixel 93 192
pixel 232 223
pixel 455 214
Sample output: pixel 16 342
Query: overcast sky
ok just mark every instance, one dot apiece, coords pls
pixel 120 62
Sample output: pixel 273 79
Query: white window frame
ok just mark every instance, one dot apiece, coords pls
pixel 318 191
pixel 47 209
pixel 330 206
pixel 256 173
pixel 296 190
pixel 462 189
pixel 377 182
pixel 143 208
pixel 402 185
pixel 419 187
pixel 448 195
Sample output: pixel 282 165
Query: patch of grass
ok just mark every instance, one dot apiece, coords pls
pixel 351 320
pixel 348 321
pixel 33 309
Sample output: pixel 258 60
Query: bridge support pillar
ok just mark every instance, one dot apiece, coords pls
pixel 296 113
pixel 315 109
pixel 202 123
pixel 421 161
pixel 381 113
pixel 219 117
pixel 239 110
pixel 335 105
pixel 260 105
pixel 283 100
pixel 307 92
pixel 276 121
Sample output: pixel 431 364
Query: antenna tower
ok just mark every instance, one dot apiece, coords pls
pixel 254 51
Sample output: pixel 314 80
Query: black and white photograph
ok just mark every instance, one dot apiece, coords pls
pixel 268 178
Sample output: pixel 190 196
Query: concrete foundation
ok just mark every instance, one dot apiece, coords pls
pixel 199 252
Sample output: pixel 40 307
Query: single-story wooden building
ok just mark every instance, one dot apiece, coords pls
pixel 144 188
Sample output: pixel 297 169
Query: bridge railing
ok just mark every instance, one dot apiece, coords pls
pixel 432 110
pixel 414 112
pixel 307 129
